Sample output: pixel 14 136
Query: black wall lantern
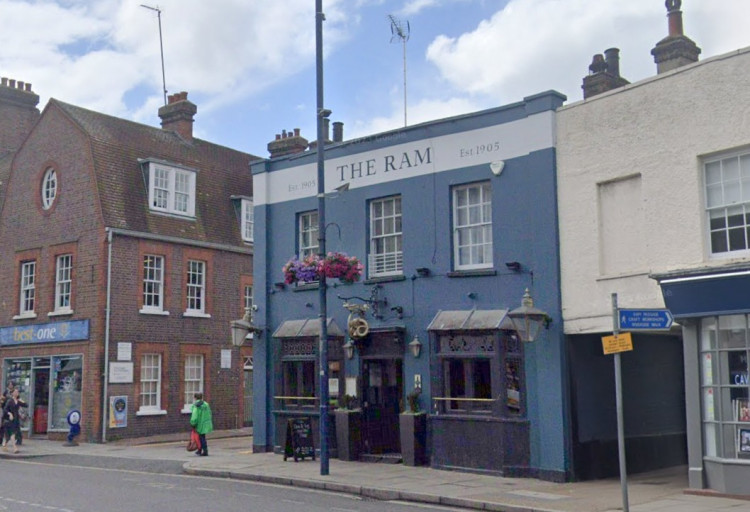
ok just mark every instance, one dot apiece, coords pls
pixel 527 320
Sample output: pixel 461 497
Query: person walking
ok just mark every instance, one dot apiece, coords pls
pixel 201 421
pixel 13 428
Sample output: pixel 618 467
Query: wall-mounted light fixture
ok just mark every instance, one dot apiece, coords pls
pixel 415 346
pixel 242 328
pixel 423 271
pixel 513 265
pixel 349 349
pixel 527 320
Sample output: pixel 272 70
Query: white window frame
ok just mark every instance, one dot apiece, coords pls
pixel 308 234
pixel 149 399
pixel 248 220
pixel 386 229
pixel 194 366
pixel 63 283
pixel 478 229
pixel 27 299
pixel 248 296
pixel 726 181
pixel 171 190
pixel 49 188
pixel 153 285
pixel 195 288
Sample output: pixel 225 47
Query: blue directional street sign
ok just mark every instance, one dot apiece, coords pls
pixel 645 319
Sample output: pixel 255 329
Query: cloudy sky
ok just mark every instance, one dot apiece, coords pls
pixel 249 66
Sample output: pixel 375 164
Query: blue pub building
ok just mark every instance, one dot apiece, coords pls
pixel 453 221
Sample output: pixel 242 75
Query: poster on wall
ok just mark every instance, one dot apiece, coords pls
pixel 120 373
pixel 118 411
pixel 124 351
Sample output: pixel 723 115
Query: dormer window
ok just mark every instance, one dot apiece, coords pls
pixel 171 189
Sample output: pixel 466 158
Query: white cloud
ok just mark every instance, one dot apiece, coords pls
pixel 535 45
pixel 414 6
pixel 93 53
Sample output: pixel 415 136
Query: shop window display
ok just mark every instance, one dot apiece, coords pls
pixel 724 379
pixel 66 390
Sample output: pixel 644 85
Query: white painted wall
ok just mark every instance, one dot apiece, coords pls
pixel 651 135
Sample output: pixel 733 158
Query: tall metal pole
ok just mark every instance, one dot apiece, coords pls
pixel 618 400
pixel 322 113
pixel 161 48
pixel 404 44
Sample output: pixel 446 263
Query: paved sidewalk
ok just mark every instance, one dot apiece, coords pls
pixel 231 457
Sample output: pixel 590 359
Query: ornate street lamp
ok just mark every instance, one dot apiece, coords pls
pixel 349 349
pixel 527 320
pixel 242 327
pixel 415 346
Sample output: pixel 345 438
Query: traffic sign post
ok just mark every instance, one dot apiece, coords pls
pixel 618 400
pixel 622 342
pixel 645 319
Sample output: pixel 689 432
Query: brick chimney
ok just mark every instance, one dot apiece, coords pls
pixel 675 50
pixel 326 134
pixel 287 143
pixel 338 131
pixel 18 113
pixel 604 74
pixel 177 115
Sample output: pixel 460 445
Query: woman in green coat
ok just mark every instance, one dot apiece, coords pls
pixel 201 421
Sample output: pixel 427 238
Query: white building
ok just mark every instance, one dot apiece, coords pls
pixel 654 205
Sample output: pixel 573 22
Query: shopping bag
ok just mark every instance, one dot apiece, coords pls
pixel 194 443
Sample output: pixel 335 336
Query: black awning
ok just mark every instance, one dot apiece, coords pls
pixel 697 294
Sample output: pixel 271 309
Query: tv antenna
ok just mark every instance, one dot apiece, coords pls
pixel 161 47
pixel 400 31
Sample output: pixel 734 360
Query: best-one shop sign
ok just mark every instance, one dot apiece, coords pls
pixel 54 332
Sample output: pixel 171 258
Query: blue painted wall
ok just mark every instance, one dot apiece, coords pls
pixel 524 215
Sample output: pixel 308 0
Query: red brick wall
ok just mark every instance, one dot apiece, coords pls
pixel 74 225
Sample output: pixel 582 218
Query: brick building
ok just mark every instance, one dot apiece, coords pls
pixel 122 243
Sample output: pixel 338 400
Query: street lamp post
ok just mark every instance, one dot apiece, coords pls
pixel 321 114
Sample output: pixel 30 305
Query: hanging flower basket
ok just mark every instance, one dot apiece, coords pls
pixel 335 265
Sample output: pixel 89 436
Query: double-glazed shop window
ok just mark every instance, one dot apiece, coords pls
pixel 724 350
pixel 481 374
pixel 727 181
pixel 298 373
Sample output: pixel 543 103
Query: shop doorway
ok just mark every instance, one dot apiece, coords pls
pixel 41 401
pixel 382 389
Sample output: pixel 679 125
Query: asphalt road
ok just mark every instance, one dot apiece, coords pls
pixel 74 483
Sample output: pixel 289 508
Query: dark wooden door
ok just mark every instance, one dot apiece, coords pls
pixel 382 381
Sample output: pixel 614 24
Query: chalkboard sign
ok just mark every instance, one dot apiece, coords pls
pixel 299 439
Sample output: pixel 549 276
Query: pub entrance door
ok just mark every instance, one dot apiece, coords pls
pixel 382 389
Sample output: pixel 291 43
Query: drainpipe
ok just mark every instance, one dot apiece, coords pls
pixel 106 335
